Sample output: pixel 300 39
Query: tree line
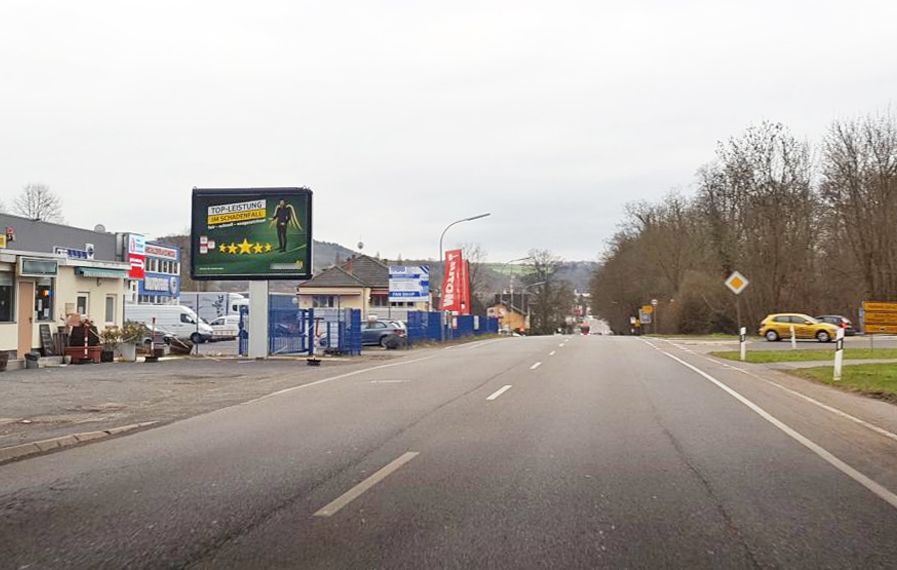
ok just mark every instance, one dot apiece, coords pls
pixel 812 226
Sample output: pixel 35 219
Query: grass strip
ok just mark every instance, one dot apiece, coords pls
pixel 876 380
pixel 767 356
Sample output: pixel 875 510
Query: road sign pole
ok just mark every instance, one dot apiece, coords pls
pixel 742 332
pixel 738 309
pixel 839 354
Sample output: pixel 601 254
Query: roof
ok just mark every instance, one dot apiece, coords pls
pixel 372 272
pixel 333 277
pixel 514 308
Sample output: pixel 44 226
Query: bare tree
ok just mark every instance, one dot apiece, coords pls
pixel 37 202
pixel 475 255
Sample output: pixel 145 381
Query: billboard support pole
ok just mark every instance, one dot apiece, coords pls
pixel 258 319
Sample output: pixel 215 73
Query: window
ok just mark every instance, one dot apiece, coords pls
pixel 322 301
pixel 7 300
pixel 43 299
pixel 379 300
pixel 185 318
pixel 82 303
pixel 110 308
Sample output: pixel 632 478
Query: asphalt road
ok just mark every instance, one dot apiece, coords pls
pixel 511 453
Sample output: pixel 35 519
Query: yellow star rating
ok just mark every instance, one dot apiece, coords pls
pixel 245 247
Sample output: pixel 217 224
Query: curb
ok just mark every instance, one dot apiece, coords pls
pixel 8 454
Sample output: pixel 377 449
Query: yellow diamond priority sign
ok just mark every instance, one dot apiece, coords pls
pixel 737 282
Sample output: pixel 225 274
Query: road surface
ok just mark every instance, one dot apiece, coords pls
pixel 510 453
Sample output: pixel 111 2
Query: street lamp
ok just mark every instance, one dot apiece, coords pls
pixel 523 297
pixel 470 219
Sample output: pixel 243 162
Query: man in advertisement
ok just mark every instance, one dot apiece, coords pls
pixel 284 217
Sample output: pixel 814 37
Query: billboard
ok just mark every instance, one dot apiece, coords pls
pixel 251 233
pixel 879 317
pixel 409 283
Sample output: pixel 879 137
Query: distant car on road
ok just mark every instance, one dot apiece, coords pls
pixel 839 321
pixel 778 326
pixel 380 332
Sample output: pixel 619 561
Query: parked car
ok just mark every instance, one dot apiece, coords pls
pixel 839 321
pixel 225 328
pixel 380 332
pixel 160 337
pixel 778 326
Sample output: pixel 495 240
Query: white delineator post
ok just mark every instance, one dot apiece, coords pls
pixel 258 319
pixel 743 341
pixel 793 338
pixel 839 354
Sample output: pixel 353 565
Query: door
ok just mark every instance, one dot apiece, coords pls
pixel 25 316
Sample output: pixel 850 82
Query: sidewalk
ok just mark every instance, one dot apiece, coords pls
pixel 54 402
pixel 830 362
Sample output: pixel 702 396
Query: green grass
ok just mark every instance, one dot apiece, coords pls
pixel 877 380
pixel 766 356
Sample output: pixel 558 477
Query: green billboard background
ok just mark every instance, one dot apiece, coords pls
pixel 251 233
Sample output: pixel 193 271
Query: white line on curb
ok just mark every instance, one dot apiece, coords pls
pixel 333 507
pixel 878 489
pixel 536 365
pixel 499 392
pixel 826 407
pixel 552 353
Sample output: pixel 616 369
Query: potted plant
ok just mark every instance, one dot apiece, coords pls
pixel 132 333
pixel 111 338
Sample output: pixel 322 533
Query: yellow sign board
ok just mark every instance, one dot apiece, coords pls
pixel 2 241
pixel 647 309
pixel 879 318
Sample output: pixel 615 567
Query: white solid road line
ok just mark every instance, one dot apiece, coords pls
pixel 879 490
pixel 339 377
pixel 499 392
pixel 840 413
pixel 333 507
pixel 552 353
pixel 536 365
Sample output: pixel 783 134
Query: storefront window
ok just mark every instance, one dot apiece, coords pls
pixel 43 299
pixel 7 289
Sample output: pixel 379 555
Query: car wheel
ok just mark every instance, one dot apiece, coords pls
pixel 823 336
pixel 384 340
pixel 196 338
pixel 771 336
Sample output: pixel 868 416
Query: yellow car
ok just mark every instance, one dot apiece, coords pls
pixel 778 326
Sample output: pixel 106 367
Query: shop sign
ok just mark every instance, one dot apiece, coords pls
pixel 72 253
pixel 29 267
pixel 136 256
pixel 161 251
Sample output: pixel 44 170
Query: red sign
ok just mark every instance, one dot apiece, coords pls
pixel 138 263
pixel 465 287
pixel 452 288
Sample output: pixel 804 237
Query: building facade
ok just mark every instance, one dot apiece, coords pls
pixel 161 283
pixel 49 272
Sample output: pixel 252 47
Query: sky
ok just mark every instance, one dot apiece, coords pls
pixel 403 116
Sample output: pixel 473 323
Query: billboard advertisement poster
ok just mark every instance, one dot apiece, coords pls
pixel 409 283
pixel 251 233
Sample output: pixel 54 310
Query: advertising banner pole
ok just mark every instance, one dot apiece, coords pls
pixel 258 319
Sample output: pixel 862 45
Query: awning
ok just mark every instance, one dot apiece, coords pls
pixel 99 272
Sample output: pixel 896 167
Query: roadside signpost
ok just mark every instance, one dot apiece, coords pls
pixel 736 282
pixel 839 354
pixel 742 337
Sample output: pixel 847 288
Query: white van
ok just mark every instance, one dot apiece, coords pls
pixel 176 319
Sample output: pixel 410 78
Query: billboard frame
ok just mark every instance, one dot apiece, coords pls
pixel 266 192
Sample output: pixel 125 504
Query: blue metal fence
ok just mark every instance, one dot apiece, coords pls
pixel 292 330
pixel 427 326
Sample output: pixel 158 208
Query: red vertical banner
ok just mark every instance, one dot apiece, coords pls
pixel 451 281
pixel 465 287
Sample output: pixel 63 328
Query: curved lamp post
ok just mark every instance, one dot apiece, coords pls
pixel 470 219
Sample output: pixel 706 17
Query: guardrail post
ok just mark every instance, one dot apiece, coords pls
pixel 839 354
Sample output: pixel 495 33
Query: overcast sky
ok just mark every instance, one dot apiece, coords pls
pixel 404 116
